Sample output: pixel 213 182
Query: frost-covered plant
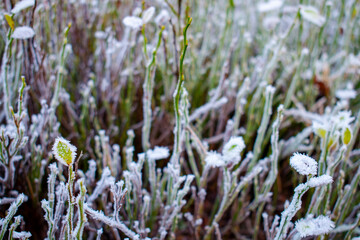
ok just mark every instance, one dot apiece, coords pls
pixel 65 153
pixel 4 222
pixel 311 226
pixel 304 165
pixel 172 104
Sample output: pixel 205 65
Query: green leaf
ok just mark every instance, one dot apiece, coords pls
pixel 10 21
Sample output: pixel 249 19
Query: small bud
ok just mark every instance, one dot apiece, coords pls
pixel 63 151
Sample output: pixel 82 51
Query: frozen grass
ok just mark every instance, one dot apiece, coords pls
pixel 179 119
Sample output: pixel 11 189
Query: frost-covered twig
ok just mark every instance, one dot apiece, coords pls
pixel 11 212
pixel 206 108
pixel 270 180
pixel 80 201
pixel 269 94
pixel 98 215
pixel 148 87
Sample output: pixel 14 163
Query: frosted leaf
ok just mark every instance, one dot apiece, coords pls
pixel 343 119
pixel 214 159
pixel 63 151
pixel 162 18
pixel 232 149
pixel 311 226
pixel 312 15
pixel 21 235
pixel 148 14
pixel 22 5
pixel 23 32
pixel 344 94
pixel 158 153
pixel 137 11
pixel 354 60
pixel 269 6
pixel 320 181
pixel 132 22
pixel 303 164
pixel 320 129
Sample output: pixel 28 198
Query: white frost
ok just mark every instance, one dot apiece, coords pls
pixel 22 5
pixel 269 6
pixel 232 149
pixel 303 164
pixel 344 94
pixel 311 226
pixel 23 32
pixel 312 15
pixel 148 14
pixel 162 18
pixel 320 181
pixel 214 159
pixel 132 22
pixel 158 153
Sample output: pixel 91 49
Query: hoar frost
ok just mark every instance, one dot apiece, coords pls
pixel 303 164
pixel 320 181
pixel 345 94
pixel 132 22
pixel 22 5
pixel 312 15
pixel 232 149
pixel 214 159
pixel 23 32
pixel 311 226
pixel 136 22
pixel 158 153
pixel 148 14
pixel 269 6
